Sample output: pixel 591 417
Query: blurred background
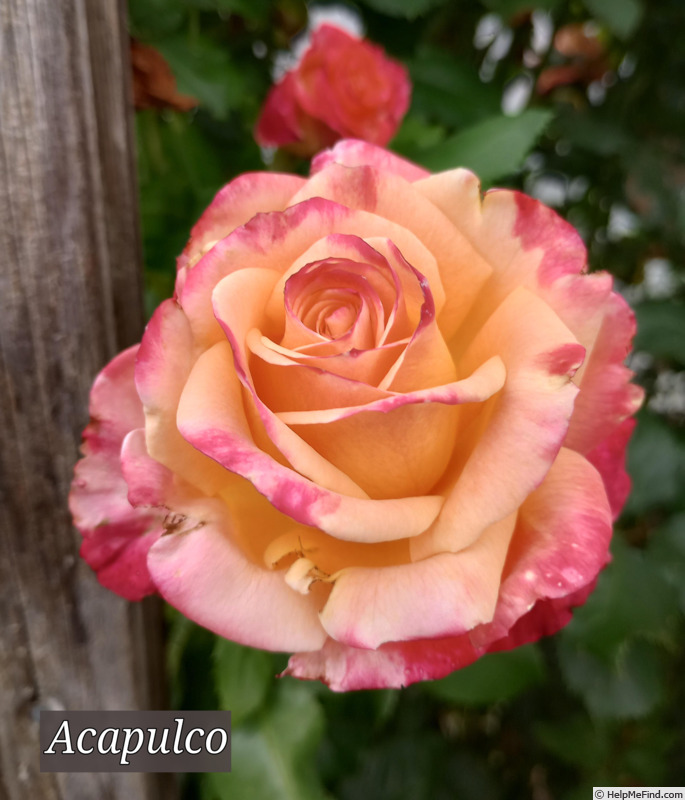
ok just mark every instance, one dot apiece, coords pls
pixel 581 104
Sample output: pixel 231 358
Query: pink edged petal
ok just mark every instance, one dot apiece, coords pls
pixel 268 241
pixel 234 205
pixel 355 153
pixel 609 459
pixel 162 367
pixel 116 537
pixel 238 599
pixel 213 393
pixel 275 242
pixel 344 668
pixel 462 269
pixel 334 260
pixel 114 405
pixel 390 447
pixel 401 466
pixel 478 387
pixel 545 618
pixel 118 554
pixel 149 483
pixel 98 492
pixel 580 302
pixel 561 537
pixel 392 666
pixel 230 362
pixel 526 243
pixel 506 452
pixel 307 385
pixel 560 544
pixel 444 595
pixel 400 248
pixel 539 228
pixel 606 395
pixel 208 418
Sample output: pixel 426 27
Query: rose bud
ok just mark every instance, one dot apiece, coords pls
pixel 382 423
pixel 342 87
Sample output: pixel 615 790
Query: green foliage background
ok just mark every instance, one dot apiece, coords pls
pixel 603 702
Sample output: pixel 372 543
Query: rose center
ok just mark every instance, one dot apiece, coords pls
pixel 332 313
pixel 335 322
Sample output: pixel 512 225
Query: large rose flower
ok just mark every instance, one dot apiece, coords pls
pixel 342 86
pixel 382 423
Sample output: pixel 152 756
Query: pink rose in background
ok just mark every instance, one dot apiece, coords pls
pixel 381 424
pixel 342 87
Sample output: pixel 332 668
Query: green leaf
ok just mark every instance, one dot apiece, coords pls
pixel 512 8
pixel 205 71
pixel 630 687
pixel 666 550
pixel 595 134
pixel 656 462
pixel 188 651
pixel 493 149
pixel 631 600
pixel 249 9
pixel 415 133
pixel 149 19
pixel 575 740
pixel 409 9
pixel 621 16
pixel 272 758
pixel 498 676
pixel 179 171
pixel 661 330
pixel 242 677
pixel 448 90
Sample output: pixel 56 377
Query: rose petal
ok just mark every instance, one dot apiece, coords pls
pixel 210 420
pixel 444 595
pixel 606 397
pixel 463 270
pixel 405 450
pixel 234 205
pixel 275 241
pixel 149 482
pixel 560 544
pixel 116 537
pixel 561 536
pixel 545 618
pixel 355 153
pixel 478 387
pixel 254 606
pixel 160 381
pixel 286 385
pixel 524 242
pixel 278 122
pixel 522 431
pixel 609 459
pixel 236 319
pixel 393 665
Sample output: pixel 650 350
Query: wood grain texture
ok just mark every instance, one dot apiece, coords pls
pixel 70 298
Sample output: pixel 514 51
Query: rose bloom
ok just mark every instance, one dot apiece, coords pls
pixel 382 423
pixel 343 86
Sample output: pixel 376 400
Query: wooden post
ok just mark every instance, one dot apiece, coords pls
pixel 70 298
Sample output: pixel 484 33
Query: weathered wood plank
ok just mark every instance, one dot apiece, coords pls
pixel 70 298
